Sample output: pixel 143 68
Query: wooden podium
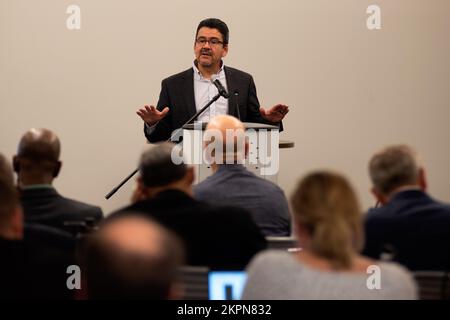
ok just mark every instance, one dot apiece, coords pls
pixel 262 158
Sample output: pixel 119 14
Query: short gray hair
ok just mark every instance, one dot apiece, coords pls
pixel 158 168
pixel 393 167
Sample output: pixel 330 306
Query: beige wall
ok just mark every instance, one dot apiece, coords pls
pixel 351 90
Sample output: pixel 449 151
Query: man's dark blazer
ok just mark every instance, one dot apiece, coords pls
pixel 414 228
pixel 233 183
pixel 177 93
pixel 47 207
pixel 223 238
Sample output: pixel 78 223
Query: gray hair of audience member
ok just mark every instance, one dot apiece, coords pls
pixel 394 167
pixel 9 200
pixel 157 167
pixel 326 207
pixel 131 257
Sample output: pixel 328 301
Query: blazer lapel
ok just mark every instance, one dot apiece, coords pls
pixel 231 86
pixel 188 92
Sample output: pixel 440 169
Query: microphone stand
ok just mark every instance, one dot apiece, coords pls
pixel 236 96
pixel 193 118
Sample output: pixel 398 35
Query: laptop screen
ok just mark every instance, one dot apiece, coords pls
pixel 226 285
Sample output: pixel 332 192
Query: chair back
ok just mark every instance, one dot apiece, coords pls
pixel 194 280
pixel 289 244
pixel 433 285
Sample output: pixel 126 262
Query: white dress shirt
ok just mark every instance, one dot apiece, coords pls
pixel 205 90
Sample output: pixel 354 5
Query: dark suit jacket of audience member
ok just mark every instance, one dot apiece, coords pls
pixel 218 237
pixel 415 227
pixel 233 184
pixel 46 206
pixel 36 267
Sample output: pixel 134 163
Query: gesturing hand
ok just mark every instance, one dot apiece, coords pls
pixel 275 114
pixel 151 115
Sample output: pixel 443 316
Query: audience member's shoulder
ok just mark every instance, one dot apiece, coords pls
pixel 263 181
pixel 230 211
pixel 46 232
pixel 399 279
pixel 443 205
pixel 240 217
pixel 202 188
pixel 83 207
pixel 269 258
pixel 46 243
pixel 394 269
pixel 377 213
pixel 140 207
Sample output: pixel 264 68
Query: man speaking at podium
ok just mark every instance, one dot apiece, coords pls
pixel 183 94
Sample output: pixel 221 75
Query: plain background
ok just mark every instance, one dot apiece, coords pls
pixel 350 90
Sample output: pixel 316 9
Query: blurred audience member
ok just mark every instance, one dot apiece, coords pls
pixel 329 228
pixel 37 164
pixel 409 227
pixel 232 183
pixel 131 257
pixel 217 237
pixel 34 261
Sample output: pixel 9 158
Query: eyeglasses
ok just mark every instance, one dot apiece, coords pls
pixel 212 42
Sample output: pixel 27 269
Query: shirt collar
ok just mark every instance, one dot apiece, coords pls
pixel 198 75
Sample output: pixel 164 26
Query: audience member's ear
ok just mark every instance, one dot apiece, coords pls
pixel 58 166
pixel 422 180
pixel 139 193
pixel 16 164
pixel 209 153
pixel 378 196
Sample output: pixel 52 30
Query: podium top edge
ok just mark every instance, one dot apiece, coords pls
pixel 248 125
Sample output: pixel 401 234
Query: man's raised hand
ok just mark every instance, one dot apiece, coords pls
pixel 275 114
pixel 151 115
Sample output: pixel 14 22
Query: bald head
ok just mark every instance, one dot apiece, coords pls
pixel 134 234
pixel 225 139
pixel 132 257
pixel 37 159
pixel 39 144
pixel 224 123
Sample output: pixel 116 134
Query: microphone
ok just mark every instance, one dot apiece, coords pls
pixel 222 91
pixel 236 96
